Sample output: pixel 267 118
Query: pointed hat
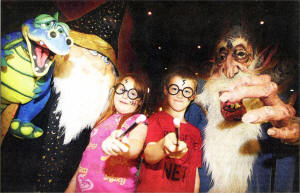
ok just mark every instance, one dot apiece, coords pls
pixel 99 29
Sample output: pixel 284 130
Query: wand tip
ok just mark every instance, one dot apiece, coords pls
pixel 176 122
pixel 141 118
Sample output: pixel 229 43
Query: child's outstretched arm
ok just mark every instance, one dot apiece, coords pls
pixel 129 147
pixel 166 146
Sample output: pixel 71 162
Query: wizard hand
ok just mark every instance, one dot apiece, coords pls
pixel 281 115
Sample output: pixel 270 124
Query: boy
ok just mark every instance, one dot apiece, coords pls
pixel 170 165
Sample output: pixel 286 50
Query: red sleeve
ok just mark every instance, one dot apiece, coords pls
pixel 197 146
pixel 155 132
pixel 200 152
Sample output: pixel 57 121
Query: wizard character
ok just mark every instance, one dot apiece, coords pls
pixel 81 87
pixel 239 96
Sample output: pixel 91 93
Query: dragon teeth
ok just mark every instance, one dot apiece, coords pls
pixel 34 57
pixel 37 69
pixel 237 105
pixel 234 105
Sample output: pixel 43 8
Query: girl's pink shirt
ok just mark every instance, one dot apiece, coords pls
pixel 101 173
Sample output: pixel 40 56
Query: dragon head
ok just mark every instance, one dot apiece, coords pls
pixel 46 36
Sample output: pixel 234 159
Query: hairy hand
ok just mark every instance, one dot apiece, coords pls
pixel 289 133
pixel 274 111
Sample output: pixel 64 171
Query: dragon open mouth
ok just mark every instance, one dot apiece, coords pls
pixel 42 56
pixel 233 111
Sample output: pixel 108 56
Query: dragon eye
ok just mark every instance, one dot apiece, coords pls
pixel 60 29
pixel 69 41
pixel 50 23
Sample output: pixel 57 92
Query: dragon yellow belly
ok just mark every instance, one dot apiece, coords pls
pixel 15 76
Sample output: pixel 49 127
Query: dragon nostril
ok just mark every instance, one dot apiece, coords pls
pixel 53 34
pixel 69 42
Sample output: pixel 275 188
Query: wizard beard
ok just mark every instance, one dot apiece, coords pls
pixel 83 96
pixel 230 147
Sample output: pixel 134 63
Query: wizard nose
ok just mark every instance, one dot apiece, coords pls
pixel 230 68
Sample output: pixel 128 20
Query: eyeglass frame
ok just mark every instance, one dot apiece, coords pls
pixel 168 87
pixel 124 90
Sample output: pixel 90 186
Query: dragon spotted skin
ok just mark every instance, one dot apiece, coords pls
pixel 27 63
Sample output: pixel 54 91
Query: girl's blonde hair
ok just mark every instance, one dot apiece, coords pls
pixel 140 84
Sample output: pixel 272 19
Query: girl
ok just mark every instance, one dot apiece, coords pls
pixel 109 163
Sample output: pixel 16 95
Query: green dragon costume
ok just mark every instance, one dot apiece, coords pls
pixel 27 63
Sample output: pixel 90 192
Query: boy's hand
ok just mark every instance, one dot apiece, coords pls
pixel 172 149
pixel 113 146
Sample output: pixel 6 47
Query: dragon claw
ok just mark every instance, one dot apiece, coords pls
pixel 25 130
pixel 35 96
pixel 8 52
pixel 15 124
pixel 40 82
pixel 37 90
pixel 4 54
pixel 3 62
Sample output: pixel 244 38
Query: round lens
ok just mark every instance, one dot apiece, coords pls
pixel 173 89
pixel 132 94
pixel 120 89
pixel 187 92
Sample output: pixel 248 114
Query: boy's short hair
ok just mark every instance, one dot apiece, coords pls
pixel 182 71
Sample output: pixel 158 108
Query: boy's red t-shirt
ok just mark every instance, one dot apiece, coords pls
pixel 171 175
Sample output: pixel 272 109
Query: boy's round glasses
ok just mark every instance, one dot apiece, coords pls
pixel 131 93
pixel 187 92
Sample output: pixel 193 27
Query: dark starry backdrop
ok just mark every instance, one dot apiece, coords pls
pixel 184 30
pixel 175 30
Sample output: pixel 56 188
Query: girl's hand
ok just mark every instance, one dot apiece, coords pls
pixel 172 149
pixel 113 146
